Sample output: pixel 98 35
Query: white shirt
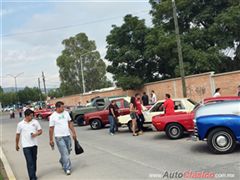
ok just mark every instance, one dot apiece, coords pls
pixel 25 129
pixel 154 98
pixel 217 94
pixel 60 123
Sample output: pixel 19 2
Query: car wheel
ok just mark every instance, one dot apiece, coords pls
pixel 221 141
pixel 95 124
pixel 80 120
pixel 174 131
pixel 39 117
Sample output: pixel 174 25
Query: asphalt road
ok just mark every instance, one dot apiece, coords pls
pixel 149 156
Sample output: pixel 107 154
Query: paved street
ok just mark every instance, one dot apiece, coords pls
pixel 120 157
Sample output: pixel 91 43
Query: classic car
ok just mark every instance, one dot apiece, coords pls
pixel 219 125
pixel 99 119
pixel 97 104
pixel 181 105
pixel 175 125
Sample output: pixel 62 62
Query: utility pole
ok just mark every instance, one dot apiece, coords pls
pixel 83 81
pixel 39 87
pixel 180 57
pixel 44 85
pixel 15 79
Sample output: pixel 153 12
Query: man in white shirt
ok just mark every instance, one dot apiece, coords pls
pixel 28 129
pixel 60 125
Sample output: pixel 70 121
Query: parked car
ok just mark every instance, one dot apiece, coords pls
pixel 99 119
pixel 175 125
pixel 97 104
pixel 181 105
pixel 219 125
pixel 43 113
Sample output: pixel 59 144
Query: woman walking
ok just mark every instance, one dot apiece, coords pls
pixel 133 115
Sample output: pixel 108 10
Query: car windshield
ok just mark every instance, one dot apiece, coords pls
pixel 193 102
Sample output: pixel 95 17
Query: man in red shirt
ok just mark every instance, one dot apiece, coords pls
pixel 168 105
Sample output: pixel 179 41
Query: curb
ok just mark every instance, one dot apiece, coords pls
pixel 6 165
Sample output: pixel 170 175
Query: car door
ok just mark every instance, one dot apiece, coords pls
pixel 153 111
pixel 124 108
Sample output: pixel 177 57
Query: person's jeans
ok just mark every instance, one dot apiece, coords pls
pixel 116 124
pixel 30 154
pixel 64 145
pixel 112 124
pixel 140 121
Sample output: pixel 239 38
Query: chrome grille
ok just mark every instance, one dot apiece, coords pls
pixel 195 128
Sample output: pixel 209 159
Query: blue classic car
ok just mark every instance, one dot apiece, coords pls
pixel 219 124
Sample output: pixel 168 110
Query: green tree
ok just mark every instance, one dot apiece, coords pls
pixel 30 95
pixel 207 28
pixel 125 51
pixel 55 93
pixel 8 98
pixel 1 90
pixel 80 48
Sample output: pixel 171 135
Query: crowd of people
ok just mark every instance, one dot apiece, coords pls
pixel 61 128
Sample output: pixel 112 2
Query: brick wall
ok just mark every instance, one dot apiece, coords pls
pixel 199 86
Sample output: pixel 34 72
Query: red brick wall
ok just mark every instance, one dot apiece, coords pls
pixel 198 87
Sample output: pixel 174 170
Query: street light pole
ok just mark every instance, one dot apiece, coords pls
pixel 15 79
pixel 180 57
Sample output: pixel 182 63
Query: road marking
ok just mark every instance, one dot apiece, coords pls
pixel 6 165
pixel 122 157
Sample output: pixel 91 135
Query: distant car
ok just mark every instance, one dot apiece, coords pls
pixel 181 105
pixel 99 119
pixel 43 113
pixel 219 125
pixel 7 109
pixel 175 125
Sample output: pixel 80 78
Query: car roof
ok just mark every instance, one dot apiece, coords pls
pixel 222 98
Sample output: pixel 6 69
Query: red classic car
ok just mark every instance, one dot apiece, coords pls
pixel 176 124
pixel 43 113
pixel 99 119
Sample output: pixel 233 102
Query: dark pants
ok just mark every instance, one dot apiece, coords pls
pixel 111 120
pixel 30 154
pixel 140 121
pixel 116 124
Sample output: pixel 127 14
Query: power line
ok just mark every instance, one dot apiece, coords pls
pixel 66 26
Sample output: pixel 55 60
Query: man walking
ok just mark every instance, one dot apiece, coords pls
pixel 60 125
pixel 29 129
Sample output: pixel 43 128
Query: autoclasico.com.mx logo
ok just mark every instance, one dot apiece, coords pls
pixel 191 175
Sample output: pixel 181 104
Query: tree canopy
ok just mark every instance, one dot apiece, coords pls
pixel 210 37
pixel 80 48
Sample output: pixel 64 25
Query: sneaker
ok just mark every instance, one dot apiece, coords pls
pixel 68 172
pixel 111 134
pixel 140 132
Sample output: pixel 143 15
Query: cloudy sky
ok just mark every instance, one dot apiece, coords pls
pixel 32 32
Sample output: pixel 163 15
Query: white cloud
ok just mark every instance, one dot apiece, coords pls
pixel 33 53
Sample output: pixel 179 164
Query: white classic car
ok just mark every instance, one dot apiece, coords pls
pixel 181 104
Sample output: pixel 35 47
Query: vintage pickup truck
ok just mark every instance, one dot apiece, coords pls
pixel 97 104
pixel 99 119
pixel 219 125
